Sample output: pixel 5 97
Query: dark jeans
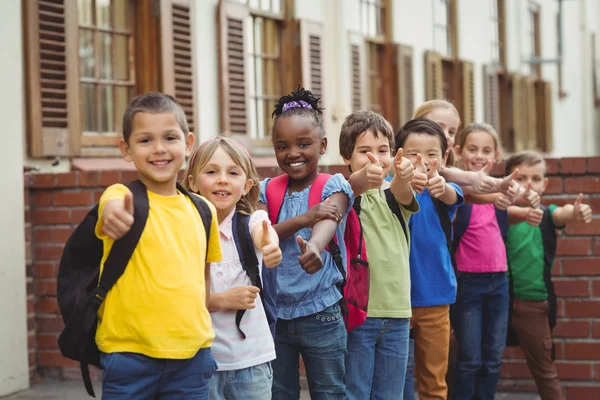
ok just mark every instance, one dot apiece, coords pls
pixel 480 318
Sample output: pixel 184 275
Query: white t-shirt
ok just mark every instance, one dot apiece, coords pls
pixel 229 348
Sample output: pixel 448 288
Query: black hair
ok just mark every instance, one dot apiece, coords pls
pixel 421 125
pixel 298 95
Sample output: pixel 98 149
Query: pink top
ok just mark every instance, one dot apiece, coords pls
pixel 481 248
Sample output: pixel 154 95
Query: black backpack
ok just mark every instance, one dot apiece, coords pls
pixel 79 293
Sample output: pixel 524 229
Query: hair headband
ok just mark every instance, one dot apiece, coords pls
pixel 296 104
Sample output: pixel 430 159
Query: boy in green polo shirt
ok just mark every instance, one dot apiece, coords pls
pixel 531 247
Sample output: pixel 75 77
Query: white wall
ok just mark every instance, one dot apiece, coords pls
pixel 14 369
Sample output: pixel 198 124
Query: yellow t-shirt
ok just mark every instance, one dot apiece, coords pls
pixel 158 306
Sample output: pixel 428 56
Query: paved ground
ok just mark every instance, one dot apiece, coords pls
pixel 74 390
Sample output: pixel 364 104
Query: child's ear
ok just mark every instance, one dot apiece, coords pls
pixel 189 143
pixel 545 185
pixel 456 149
pixel 323 146
pixel 192 184
pixel 347 162
pixel 248 186
pixel 125 150
pixel 445 160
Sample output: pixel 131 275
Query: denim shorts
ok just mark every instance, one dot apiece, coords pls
pixel 253 383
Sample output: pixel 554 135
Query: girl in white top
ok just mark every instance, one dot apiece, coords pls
pixel 221 170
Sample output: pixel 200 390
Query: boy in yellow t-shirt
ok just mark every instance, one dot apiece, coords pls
pixel 154 329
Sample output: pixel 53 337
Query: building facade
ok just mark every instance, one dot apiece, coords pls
pixel 529 67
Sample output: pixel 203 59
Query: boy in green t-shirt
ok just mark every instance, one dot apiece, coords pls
pixel 531 247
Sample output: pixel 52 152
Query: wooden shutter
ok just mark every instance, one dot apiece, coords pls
pixel 52 67
pixel 233 74
pixel 311 50
pixel 433 76
pixel 177 52
pixel 518 116
pixel 468 92
pixel 406 91
pixel 529 112
pixel 543 95
pixel 357 70
pixel 491 95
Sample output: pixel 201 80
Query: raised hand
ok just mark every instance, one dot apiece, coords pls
pixel 374 172
pixel 404 168
pixel 509 187
pixel 323 210
pixel 270 250
pixel 484 183
pixel 532 197
pixel 437 183
pixel 419 181
pixel 240 298
pixel 310 260
pixel 582 212
pixel 502 201
pixel 534 216
pixel 117 217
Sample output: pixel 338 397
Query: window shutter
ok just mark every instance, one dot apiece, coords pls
pixel 311 50
pixel 518 115
pixel 529 110
pixel 406 92
pixel 52 67
pixel 491 94
pixel 357 72
pixel 233 74
pixel 433 76
pixel 177 52
pixel 543 92
pixel 468 93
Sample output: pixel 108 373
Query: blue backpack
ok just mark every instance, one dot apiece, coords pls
pixel 268 283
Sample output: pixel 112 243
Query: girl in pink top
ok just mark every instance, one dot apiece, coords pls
pixel 480 314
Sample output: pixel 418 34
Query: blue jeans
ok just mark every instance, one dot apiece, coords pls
pixel 135 376
pixel 253 383
pixel 321 340
pixel 480 322
pixel 409 383
pixel 377 357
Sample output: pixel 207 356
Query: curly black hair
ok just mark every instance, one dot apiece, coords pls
pixel 300 94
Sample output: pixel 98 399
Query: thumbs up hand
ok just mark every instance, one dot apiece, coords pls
pixel 533 199
pixel 374 172
pixel 502 202
pixel 534 216
pixel 437 183
pixel 419 181
pixel 310 260
pixel 509 187
pixel 483 183
pixel 404 168
pixel 269 247
pixel 582 212
pixel 117 217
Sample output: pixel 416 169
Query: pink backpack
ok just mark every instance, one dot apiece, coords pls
pixel 355 284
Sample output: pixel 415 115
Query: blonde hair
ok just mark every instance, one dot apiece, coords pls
pixel 475 127
pixel 248 203
pixel 427 108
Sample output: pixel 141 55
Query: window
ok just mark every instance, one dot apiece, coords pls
pixel 444 27
pixel 535 39
pixel 106 64
pixel 498 44
pixel 373 15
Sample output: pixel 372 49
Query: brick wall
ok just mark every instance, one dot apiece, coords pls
pixel 55 203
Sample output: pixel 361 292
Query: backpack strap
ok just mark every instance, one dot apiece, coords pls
pixel 275 193
pixel 247 254
pixel 549 241
pixel 461 223
pixel 502 219
pixel 203 210
pixel 442 211
pixel 395 207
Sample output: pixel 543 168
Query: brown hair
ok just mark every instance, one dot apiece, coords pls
pixel 359 122
pixel 153 103
pixel 248 203
pixel 527 157
pixel 475 127
pixel 427 108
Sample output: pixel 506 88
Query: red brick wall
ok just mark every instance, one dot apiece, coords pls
pixel 55 203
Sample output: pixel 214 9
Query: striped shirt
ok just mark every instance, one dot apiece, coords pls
pixel 229 349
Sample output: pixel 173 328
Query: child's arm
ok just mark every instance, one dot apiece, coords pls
pixel 207 285
pixel 439 189
pixel 571 212
pixel 401 185
pixel 117 217
pixel 265 238
pixel 528 198
pixel 473 198
pixel 533 216
pixel 369 177
pixel 322 232
pixel 237 298
pixel 479 181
